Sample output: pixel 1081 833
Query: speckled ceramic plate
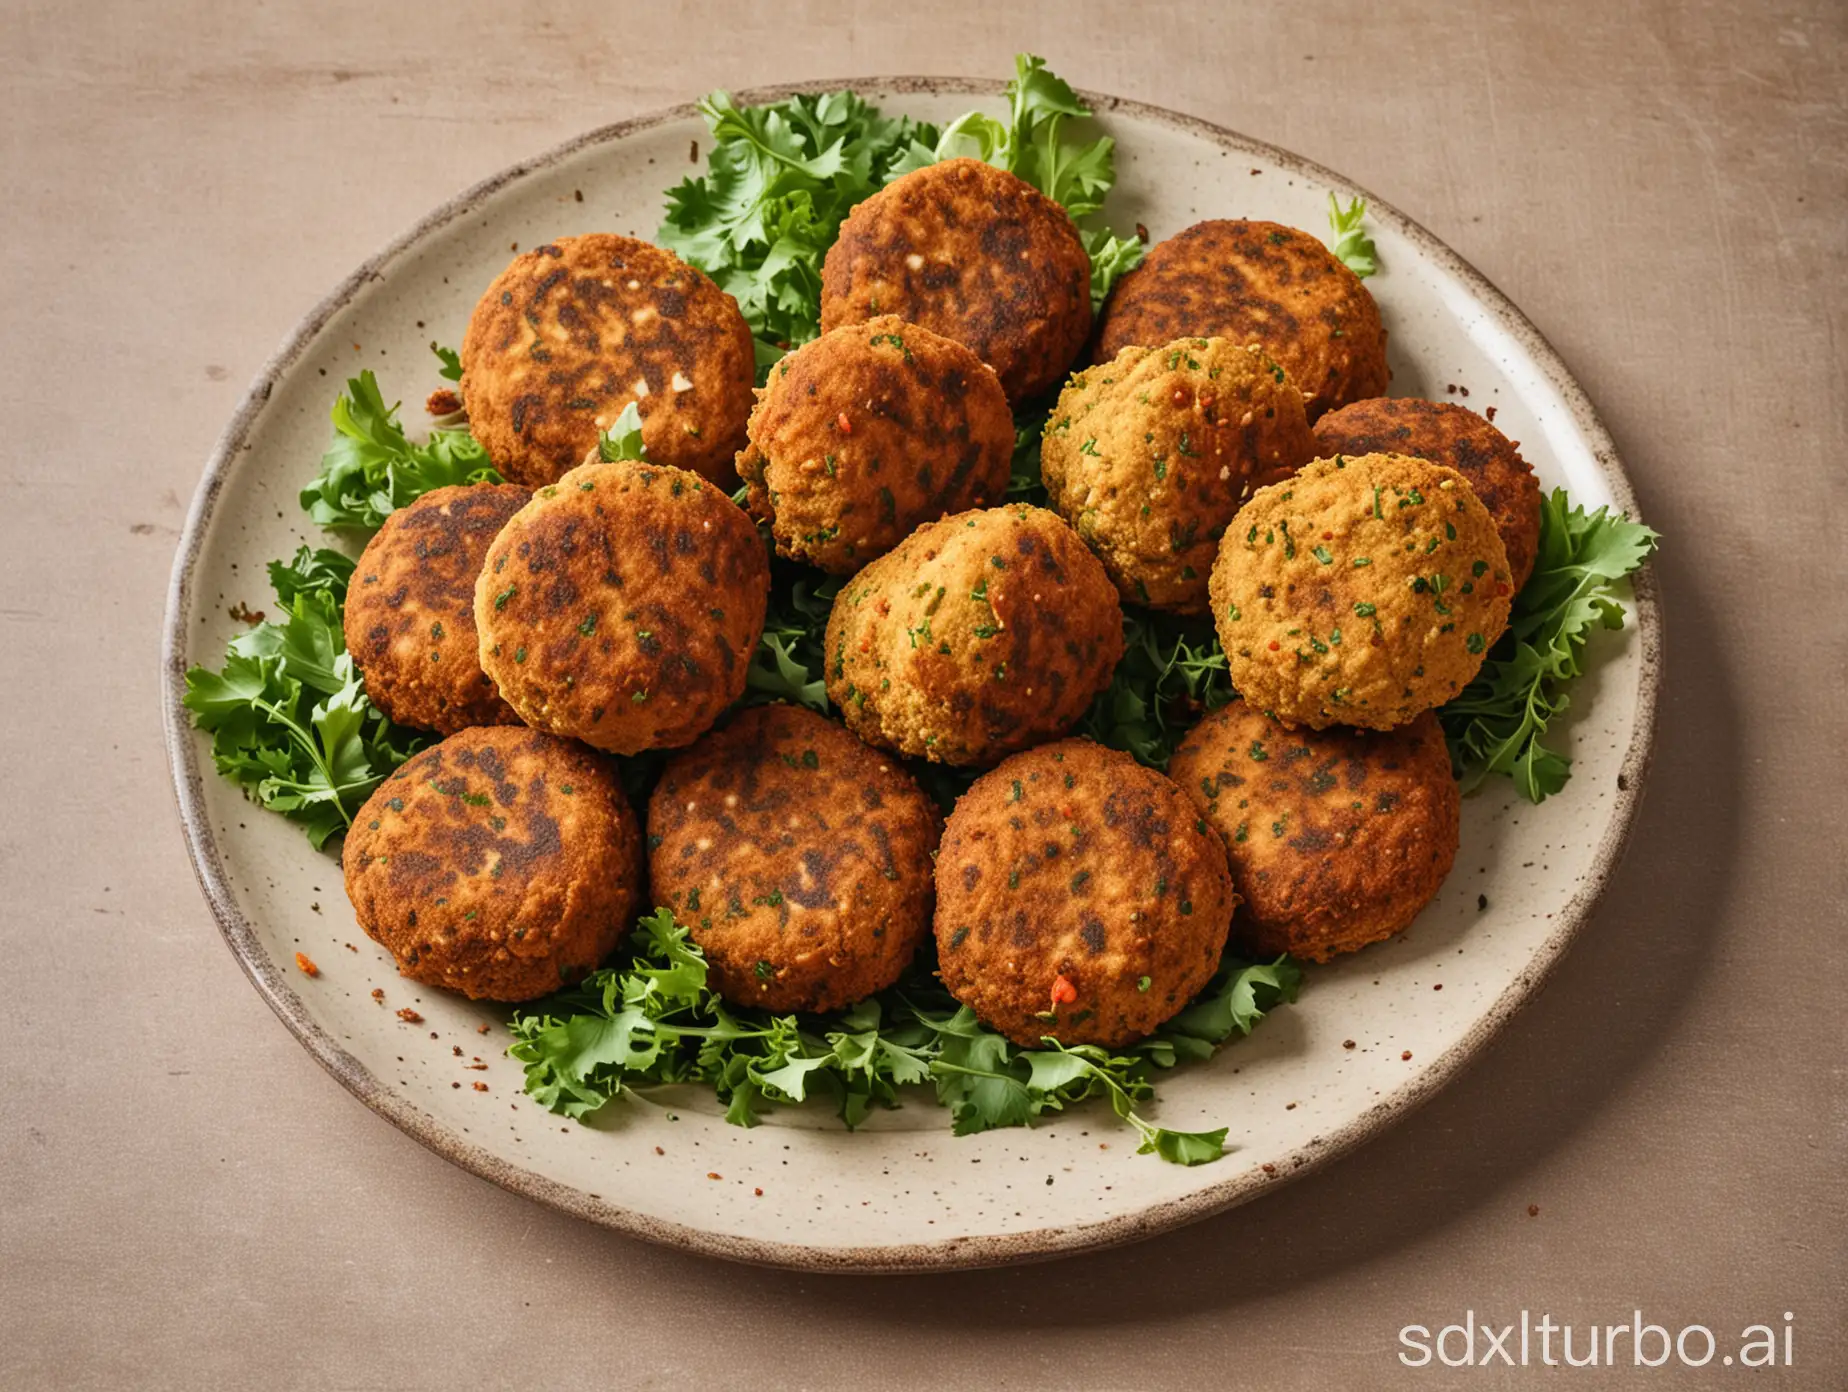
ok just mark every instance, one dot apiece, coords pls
pixel 903 1193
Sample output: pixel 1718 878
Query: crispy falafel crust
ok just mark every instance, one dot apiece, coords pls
pixel 576 329
pixel 1360 592
pixel 1448 434
pixel 868 432
pixel 978 635
pixel 973 253
pixel 621 606
pixel 798 858
pixel 410 611
pixel 1256 282
pixel 1338 838
pixel 1149 455
pixel 1074 864
pixel 502 863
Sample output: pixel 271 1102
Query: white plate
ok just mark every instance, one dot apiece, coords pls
pixel 903 1193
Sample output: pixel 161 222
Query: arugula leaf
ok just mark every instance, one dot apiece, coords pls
pixel 788 664
pixel 372 469
pixel 623 440
pixel 1353 248
pixel 1496 724
pixel 655 1020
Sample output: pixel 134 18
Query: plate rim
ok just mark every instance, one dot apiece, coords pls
pixel 1044 1243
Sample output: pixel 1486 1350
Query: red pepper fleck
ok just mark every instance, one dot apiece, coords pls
pixel 1180 396
pixel 409 1016
pixel 1206 403
pixel 758 1192
pixel 842 424
pixel 1063 992
pixel 481 1087
pixel 1406 1055
pixel 1328 536
pixel 306 965
pixel 1275 646
pixel 714 1174
pixel 1503 588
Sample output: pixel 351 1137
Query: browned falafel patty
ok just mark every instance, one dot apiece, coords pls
pixel 1337 837
pixel 410 611
pixel 1447 434
pixel 868 432
pixel 502 863
pixel 1079 895
pixel 1150 454
pixel 621 606
pixel 575 330
pixel 798 858
pixel 978 635
pixel 973 253
pixel 1359 592
pixel 1256 282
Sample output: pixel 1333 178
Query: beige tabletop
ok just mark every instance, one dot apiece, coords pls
pixel 186 1199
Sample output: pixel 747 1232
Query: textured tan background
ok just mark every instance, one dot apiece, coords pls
pixel 186 1199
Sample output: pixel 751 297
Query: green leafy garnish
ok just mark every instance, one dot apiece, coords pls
pixel 371 470
pixel 654 1020
pixel 451 360
pixel 623 440
pixel 788 663
pixel 1031 144
pixel 1173 671
pixel 779 180
pixel 1353 248
pixel 1497 723
pixel 288 714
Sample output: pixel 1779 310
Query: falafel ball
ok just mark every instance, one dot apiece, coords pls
pixel 973 253
pixel 798 857
pixel 621 606
pixel 575 330
pixel 1257 282
pixel 869 431
pixel 410 611
pixel 502 863
pixel 1447 434
pixel 1338 838
pixel 1150 454
pixel 1360 592
pixel 976 636
pixel 1079 895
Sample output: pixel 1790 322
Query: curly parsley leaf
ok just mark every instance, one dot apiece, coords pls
pixel 655 1020
pixel 1352 247
pixel 1498 722
pixel 623 440
pixel 372 469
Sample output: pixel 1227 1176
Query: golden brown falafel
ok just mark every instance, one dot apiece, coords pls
pixel 1150 454
pixel 575 330
pixel 410 611
pixel 1079 895
pixel 621 606
pixel 1256 282
pixel 1337 837
pixel 1447 434
pixel 798 858
pixel 868 432
pixel 1360 592
pixel 501 863
pixel 978 635
pixel 973 253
